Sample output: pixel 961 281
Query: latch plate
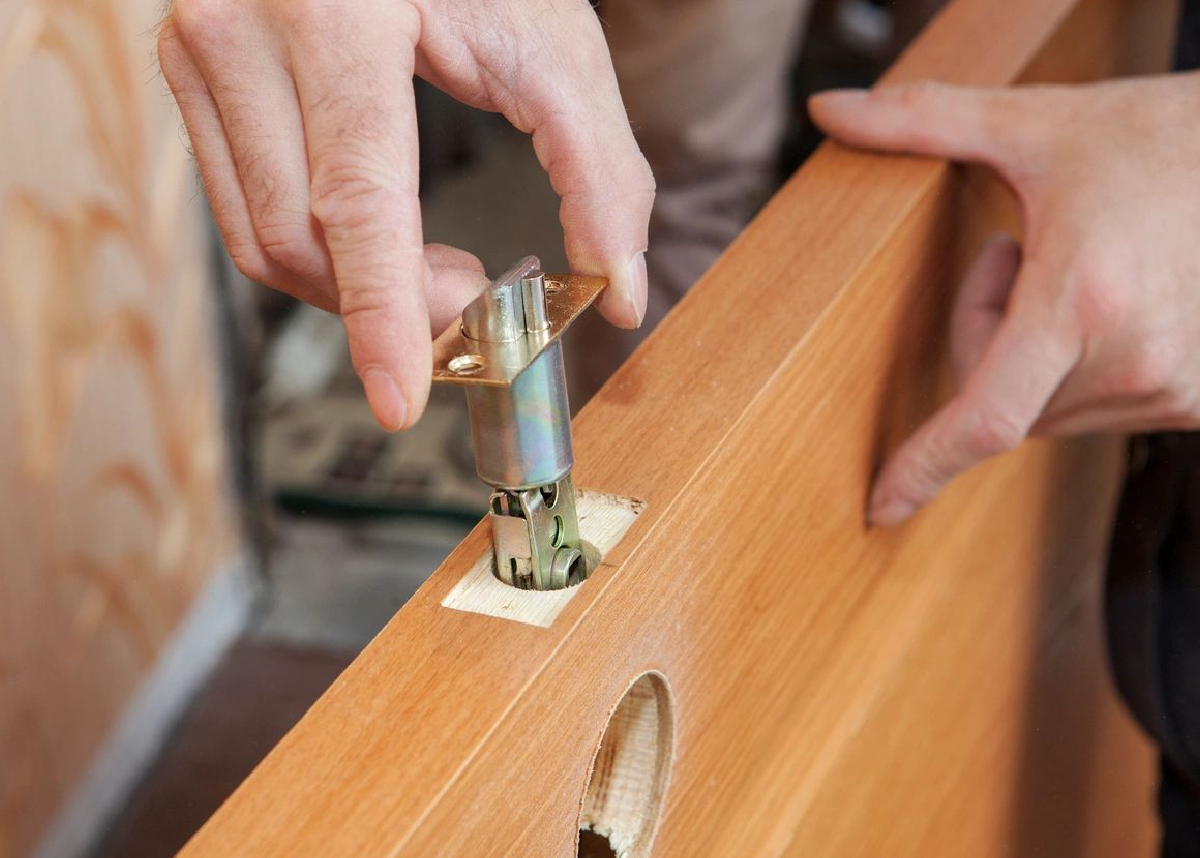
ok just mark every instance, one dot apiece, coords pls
pixel 457 359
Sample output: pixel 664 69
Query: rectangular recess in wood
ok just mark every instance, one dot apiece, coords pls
pixel 819 688
pixel 603 521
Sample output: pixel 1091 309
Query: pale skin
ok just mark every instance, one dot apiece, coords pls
pixel 301 116
pixel 302 120
pixel 1093 323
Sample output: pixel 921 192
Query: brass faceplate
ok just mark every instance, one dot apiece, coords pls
pixel 457 359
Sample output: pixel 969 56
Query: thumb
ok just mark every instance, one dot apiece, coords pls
pixel 458 278
pixel 927 118
pixel 1021 367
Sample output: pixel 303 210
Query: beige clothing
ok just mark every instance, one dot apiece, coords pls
pixel 706 86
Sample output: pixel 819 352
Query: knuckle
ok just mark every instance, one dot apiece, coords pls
pixel 205 24
pixel 923 477
pixel 918 95
pixel 361 298
pixel 289 243
pixel 993 432
pixel 1102 301
pixel 250 261
pixel 348 196
pixel 305 14
pixel 1151 368
pixel 332 18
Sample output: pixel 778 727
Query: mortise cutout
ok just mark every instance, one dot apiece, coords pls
pixel 628 776
pixel 603 522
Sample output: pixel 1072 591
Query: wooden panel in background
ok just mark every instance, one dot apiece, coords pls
pixel 113 508
pixel 814 688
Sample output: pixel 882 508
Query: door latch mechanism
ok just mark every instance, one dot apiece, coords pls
pixel 507 353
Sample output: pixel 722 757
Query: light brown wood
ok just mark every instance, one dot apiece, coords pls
pixel 939 689
pixel 603 522
pixel 114 512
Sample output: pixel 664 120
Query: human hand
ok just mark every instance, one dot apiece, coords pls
pixel 302 119
pixel 1094 324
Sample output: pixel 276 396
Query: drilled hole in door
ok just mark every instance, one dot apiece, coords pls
pixel 628 778
pixel 593 845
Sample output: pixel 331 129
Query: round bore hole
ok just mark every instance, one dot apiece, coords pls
pixel 553 286
pixel 629 774
pixel 466 364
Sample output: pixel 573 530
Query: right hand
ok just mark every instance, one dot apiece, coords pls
pixel 302 119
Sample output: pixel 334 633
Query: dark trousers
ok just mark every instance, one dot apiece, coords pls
pixel 1153 616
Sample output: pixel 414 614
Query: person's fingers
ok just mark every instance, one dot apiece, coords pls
pixel 981 302
pixel 934 119
pixel 1023 365
pixel 256 98
pixel 353 67
pixel 458 278
pixel 222 184
pixel 582 137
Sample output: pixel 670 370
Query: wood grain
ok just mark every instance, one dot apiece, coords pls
pixel 936 689
pixel 113 508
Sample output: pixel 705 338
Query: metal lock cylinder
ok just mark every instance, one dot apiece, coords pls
pixel 508 355
pixel 521 433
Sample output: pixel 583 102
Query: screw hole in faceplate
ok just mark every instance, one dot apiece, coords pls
pixel 553 286
pixel 466 364
pixel 629 774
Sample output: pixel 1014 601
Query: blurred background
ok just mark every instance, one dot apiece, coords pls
pixel 200 524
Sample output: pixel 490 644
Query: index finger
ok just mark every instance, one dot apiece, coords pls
pixel 353 67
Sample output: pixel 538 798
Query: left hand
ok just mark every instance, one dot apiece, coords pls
pixel 1093 325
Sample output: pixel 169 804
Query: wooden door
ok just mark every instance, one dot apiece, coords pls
pixel 752 671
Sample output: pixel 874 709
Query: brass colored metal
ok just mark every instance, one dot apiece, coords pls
pixel 567 295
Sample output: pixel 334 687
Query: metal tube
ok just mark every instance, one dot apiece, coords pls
pixel 522 434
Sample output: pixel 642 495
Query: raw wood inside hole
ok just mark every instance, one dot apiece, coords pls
pixel 629 775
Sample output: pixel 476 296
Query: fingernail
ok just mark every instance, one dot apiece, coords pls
pixel 844 97
pixel 638 285
pixel 889 513
pixel 387 402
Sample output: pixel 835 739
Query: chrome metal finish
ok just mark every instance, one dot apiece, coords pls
pixel 507 353
pixel 522 433
pixel 533 295
pixel 501 317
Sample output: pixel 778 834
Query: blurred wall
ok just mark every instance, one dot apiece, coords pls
pixel 114 513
